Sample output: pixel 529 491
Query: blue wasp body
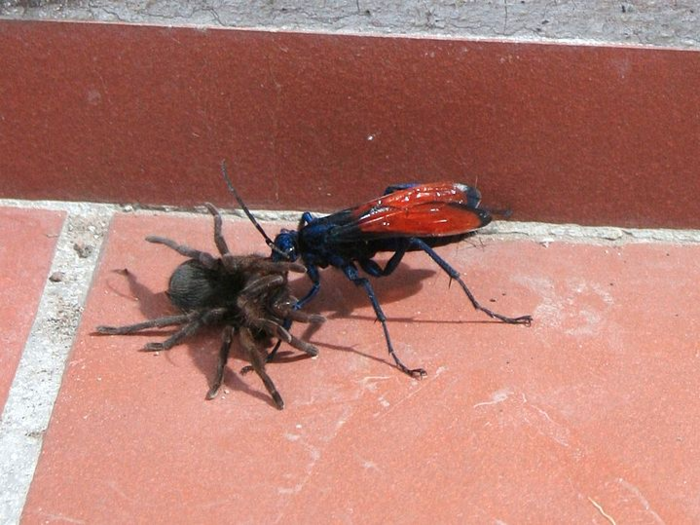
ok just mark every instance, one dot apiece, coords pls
pixel 408 217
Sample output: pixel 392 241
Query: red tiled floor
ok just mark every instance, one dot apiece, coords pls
pixel 594 406
pixel 27 242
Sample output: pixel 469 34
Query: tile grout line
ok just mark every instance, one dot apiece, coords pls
pixel 40 370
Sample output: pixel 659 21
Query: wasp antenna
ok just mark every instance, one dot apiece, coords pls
pixel 250 216
pixel 248 213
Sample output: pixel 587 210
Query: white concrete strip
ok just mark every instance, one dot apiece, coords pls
pixel 499 230
pixel 549 233
pixel 38 378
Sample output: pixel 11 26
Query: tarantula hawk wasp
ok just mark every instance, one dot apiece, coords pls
pixel 407 218
pixel 248 295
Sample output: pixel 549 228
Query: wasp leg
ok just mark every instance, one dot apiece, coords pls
pixel 373 269
pixel 454 274
pixel 352 274
pixel 312 272
pixel 305 219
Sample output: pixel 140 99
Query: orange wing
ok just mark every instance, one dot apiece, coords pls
pixel 426 210
pixel 428 219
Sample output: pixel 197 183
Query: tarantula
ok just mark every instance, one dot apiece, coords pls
pixel 248 295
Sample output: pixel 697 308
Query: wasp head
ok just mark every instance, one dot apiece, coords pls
pixel 285 246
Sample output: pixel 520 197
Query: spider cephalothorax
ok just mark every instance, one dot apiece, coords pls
pixel 247 295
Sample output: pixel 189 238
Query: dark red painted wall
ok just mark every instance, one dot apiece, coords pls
pixel 593 135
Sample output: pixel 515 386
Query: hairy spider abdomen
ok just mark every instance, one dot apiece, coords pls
pixel 193 287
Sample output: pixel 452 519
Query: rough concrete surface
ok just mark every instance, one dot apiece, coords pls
pixel 652 22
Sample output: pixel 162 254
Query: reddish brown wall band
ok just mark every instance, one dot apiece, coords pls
pixel 592 135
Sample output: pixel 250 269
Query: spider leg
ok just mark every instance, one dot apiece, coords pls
pixel 258 364
pixel 258 286
pixel 286 324
pixel 235 263
pixel 255 288
pixel 186 331
pixel 281 266
pixel 204 258
pixel 246 263
pixel 197 320
pixel 289 314
pixel 296 315
pixel 315 277
pixel 263 284
pixel 351 272
pixel 153 323
pixel 226 338
pixel 454 274
pixel 255 263
pixel 277 330
pixel 218 236
pixel 268 266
